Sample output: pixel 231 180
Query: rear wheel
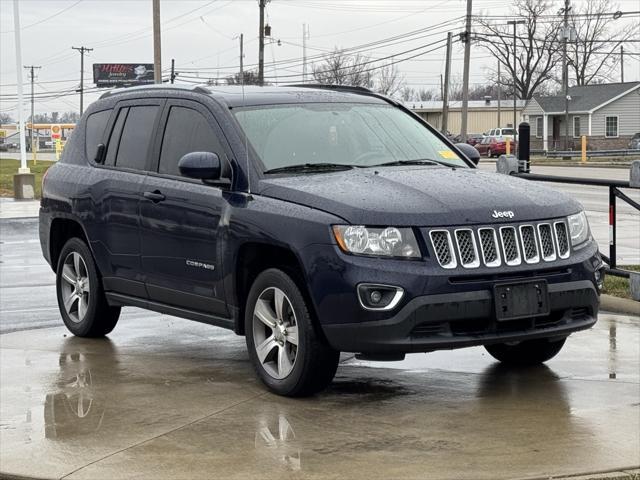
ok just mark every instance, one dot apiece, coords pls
pixel 289 355
pixel 81 299
pixel 529 352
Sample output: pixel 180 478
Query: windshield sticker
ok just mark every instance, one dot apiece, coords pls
pixel 448 154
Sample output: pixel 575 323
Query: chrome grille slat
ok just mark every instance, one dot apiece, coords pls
pixel 443 247
pixel 467 249
pixel 489 247
pixel 529 244
pixel 547 245
pixel 562 239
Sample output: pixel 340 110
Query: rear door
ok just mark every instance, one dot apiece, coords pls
pixel 181 217
pixel 117 195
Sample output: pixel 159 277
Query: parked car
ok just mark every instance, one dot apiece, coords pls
pixel 493 146
pixel 311 220
pixel 634 143
pixel 474 138
pixel 503 133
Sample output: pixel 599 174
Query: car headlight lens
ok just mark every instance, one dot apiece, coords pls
pixel 578 228
pixel 387 242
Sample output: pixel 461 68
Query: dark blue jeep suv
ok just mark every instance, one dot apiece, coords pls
pixel 312 221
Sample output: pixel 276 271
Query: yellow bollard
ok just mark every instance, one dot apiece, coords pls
pixel 508 148
pixel 584 148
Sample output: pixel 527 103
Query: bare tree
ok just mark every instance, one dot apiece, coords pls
pixel 425 94
pixel 250 78
pixel 6 118
pixel 389 81
pixel 536 49
pixel 594 54
pixel 340 68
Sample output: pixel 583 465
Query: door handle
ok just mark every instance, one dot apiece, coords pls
pixel 155 196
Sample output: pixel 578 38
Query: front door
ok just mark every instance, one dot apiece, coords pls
pixel 181 217
pixel 556 132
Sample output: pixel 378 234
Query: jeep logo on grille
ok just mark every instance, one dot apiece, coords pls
pixel 503 214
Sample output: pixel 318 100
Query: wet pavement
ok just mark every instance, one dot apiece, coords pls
pixel 169 398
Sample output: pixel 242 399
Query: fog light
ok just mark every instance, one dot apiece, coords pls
pixel 379 297
pixel 375 296
pixel 599 278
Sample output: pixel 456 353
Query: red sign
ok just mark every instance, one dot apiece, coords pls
pixel 56 132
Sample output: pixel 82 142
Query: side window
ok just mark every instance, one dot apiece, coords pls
pixel 186 131
pixel 114 139
pixel 136 136
pixel 94 132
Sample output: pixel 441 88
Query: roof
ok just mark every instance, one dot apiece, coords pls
pixel 250 95
pixel 585 98
pixel 436 105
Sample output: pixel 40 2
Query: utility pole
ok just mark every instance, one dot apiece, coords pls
pixel 262 4
pixel 515 89
pixel 16 28
pixel 499 94
pixel 565 73
pixel 445 94
pixel 621 64
pixel 82 51
pixel 242 59
pixel 465 74
pixel 31 69
pixel 173 71
pixel 305 37
pixel 157 48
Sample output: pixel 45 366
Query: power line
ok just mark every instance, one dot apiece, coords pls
pixel 45 19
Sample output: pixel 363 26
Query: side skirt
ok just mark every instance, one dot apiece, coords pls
pixel 120 300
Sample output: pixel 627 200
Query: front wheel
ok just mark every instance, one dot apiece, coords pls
pixel 289 355
pixel 529 352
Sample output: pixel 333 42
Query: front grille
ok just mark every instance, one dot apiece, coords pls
pixel 491 247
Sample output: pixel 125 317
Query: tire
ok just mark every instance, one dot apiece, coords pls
pixel 81 299
pixel 527 353
pixel 285 368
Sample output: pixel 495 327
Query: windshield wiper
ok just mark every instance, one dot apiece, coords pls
pixel 410 162
pixel 310 167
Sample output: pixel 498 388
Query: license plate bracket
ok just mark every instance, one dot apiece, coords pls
pixel 514 301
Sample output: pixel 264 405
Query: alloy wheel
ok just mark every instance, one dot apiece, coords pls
pixel 275 333
pixel 75 287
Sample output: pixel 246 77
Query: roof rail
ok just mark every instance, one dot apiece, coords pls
pixel 117 91
pixel 338 88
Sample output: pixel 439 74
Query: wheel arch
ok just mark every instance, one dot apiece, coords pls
pixel 61 230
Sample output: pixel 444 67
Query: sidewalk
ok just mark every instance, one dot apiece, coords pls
pixel 11 208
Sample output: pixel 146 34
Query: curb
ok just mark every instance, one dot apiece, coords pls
pixel 619 305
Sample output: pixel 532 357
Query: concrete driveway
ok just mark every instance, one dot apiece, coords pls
pixel 168 398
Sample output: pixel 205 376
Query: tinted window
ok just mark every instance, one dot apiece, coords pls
pixel 187 131
pixel 114 139
pixel 94 131
pixel 136 136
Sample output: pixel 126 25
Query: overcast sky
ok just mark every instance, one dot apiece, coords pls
pixel 201 35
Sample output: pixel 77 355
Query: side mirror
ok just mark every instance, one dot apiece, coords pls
pixel 200 165
pixel 469 151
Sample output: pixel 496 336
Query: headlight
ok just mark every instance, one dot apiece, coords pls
pixel 388 242
pixel 578 228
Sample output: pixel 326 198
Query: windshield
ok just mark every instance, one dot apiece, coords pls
pixel 355 134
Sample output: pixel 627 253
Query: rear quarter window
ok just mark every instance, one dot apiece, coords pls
pixel 94 132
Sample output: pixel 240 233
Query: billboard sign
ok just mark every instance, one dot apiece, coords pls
pixel 122 74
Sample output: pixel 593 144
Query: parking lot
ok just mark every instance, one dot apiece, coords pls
pixel 163 396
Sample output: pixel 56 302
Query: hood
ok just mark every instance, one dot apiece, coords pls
pixel 421 196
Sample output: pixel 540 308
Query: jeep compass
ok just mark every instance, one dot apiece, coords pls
pixel 313 221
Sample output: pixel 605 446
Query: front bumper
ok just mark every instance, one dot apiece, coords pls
pixel 456 320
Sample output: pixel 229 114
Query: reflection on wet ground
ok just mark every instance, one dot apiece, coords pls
pixel 166 398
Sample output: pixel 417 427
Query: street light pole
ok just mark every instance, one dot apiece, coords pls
pixel 157 49
pixel 515 90
pixel 16 27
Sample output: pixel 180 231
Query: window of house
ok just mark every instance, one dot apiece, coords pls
pixel 539 127
pixel 576 127
pixel 136 136
pixel 610 126
pixel 187 131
